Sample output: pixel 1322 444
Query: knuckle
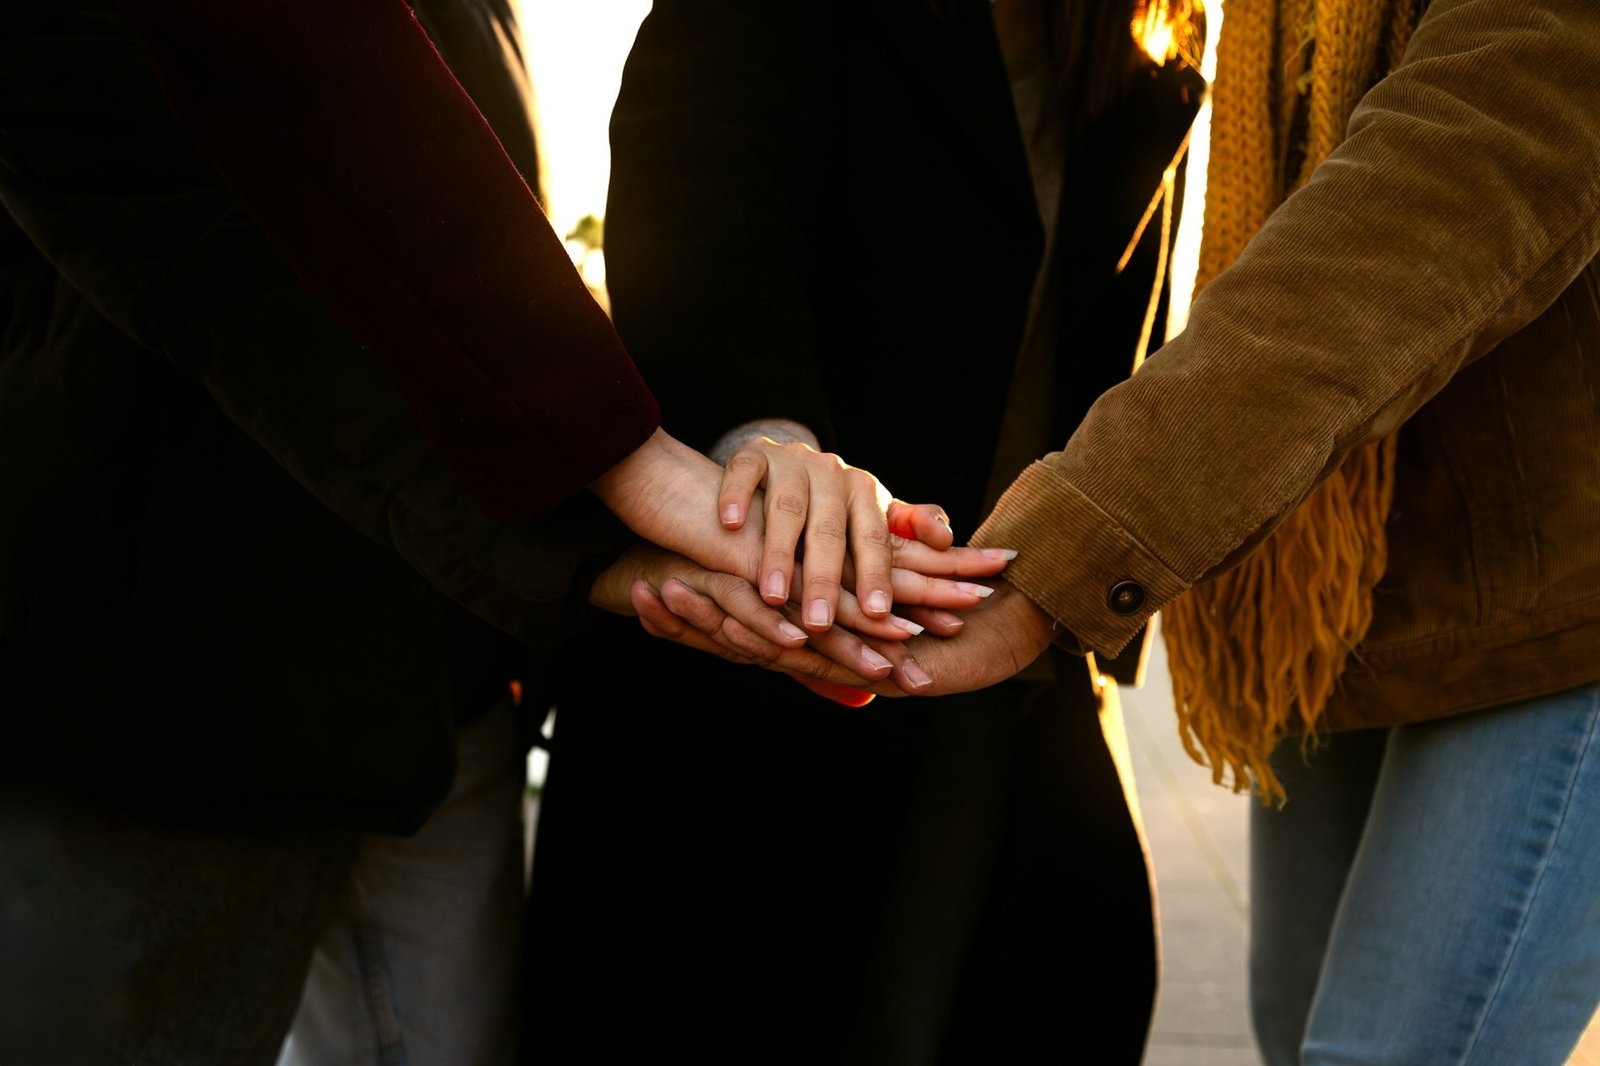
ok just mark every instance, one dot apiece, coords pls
pixel 877 536
pixel 744 463
pixel 723 586
pixel 827 530
pixel 788 503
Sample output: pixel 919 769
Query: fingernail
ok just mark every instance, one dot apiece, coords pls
pixel 793 632
pixel 973 589
pixel 999 553
pixel 878 600
pixel 906 624
pixel 915 674
pixel 818 615
pixel 730 514
pixel 773 589
pixel 874 660
pixel 951 621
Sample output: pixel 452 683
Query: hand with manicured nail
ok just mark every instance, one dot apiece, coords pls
pixel 841 515
pixel 725 615
pixel 1000 638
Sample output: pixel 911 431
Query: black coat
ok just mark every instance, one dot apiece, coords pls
pixel 826 215
pixel 214 506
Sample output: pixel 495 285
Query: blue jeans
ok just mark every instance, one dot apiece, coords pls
pixel 1430 894
pixel 418 966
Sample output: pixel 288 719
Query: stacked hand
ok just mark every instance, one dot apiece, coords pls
pixel 722 563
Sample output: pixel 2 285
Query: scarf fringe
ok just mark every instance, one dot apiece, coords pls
pixel 1256 654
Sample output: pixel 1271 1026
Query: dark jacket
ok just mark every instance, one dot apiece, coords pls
pixel 827 215
pixel 228 550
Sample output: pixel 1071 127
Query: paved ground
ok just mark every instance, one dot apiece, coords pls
pixel 1196 835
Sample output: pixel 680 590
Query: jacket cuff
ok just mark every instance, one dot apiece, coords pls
pixel 1075 562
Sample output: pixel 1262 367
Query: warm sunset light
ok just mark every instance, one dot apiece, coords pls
pixel 1167 29
pixel 575 54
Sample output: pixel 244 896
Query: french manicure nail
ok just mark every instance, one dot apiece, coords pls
pixel 906 624
pixel 999 553
pixel 951 621
pixel 818 614
pixel 915 674
pixel 974 589
pixel 793 632
pixel 874 660
pixel 773 589
pixel 730 514
pixel 878 600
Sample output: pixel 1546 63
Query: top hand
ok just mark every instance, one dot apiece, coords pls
pixel 835 507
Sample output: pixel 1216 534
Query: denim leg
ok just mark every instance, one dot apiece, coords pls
pixel 127 938
pixel 1300 855
pixel 1469 929
pixel 418 967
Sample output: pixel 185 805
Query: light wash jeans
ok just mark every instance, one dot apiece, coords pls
pixel 1430 894
pixel 419 965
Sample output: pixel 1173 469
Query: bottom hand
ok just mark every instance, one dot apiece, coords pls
pixel 1001 637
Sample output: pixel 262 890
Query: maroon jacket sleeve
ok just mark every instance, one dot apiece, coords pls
pixel 347 138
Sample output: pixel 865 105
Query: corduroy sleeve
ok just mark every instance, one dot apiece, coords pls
pixel 1464 200
pixel 371 171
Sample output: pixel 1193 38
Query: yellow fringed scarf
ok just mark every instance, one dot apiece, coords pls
pixel 1255 654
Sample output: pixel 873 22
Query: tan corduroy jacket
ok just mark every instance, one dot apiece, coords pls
pixel 1437 273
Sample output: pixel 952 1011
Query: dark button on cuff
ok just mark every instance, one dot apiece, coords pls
pixel 1126 597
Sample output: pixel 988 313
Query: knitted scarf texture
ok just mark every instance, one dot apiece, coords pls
pixel 1256 653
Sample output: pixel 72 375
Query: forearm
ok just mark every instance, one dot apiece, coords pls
pixel 107 187
pixel 1464 200
pixel 351 143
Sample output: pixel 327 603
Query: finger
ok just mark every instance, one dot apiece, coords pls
pixel 707 627
pixel 925 522
pixel 741 638
pixel 727 631
pixel 895 627
pixel 827 519
pixel 850 697
pixel 787 503
pixel 956 562
pixel 908 674
pixel 914 589
pixel 659 621
pixel 740 478
pixel 871 550
pixel 934 621
pixel 695 608
pixel 739 599
pixel 849 651
pixel 813 666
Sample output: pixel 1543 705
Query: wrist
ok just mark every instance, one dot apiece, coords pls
pixel 778 430
pixel 646 483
